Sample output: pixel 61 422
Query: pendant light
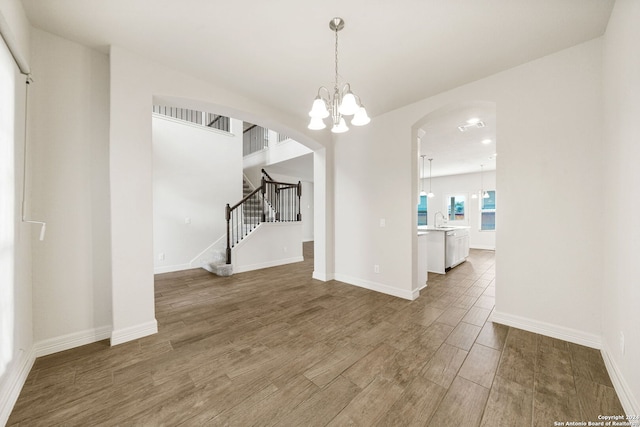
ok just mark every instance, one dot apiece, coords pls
pixel 422 193
pixel 485 195
pixel 430 195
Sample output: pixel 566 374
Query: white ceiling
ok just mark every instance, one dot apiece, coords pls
pixel 279 52
pixel 454 152
pixel 300 167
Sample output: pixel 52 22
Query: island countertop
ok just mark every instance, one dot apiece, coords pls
pixel 442 228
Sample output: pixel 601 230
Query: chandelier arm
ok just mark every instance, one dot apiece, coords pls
pixel 326 90
pixel 358 100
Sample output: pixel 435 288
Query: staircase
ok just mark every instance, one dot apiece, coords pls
pixel 251 211
pixel 272 201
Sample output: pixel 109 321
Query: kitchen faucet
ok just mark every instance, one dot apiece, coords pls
pixel 435 219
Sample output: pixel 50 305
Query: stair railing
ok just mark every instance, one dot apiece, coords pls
pixel 272 201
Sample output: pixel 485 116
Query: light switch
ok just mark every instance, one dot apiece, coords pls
pixel 383 222
pixel 187 220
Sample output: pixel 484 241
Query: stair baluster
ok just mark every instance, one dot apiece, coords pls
pixel 273 201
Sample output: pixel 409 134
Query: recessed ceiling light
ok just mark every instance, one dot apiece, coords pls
pixel 473 120
pixel 486 141
pixel 475 123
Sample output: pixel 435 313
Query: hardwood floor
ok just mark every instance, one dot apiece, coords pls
pixel 275 347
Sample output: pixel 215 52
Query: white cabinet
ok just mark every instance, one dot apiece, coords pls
pixel 447 247
pixel 422 261
pixel 436 251
pixel 457 247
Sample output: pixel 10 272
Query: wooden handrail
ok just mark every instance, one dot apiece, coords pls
pixel 265 173
pixel 272 197
pixel 247 197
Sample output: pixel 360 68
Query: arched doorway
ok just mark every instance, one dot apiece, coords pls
pixel 458 186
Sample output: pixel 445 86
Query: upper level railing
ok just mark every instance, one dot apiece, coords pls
pixel 282 137
pixel 272 201
pixel 211 120
pixel 254 138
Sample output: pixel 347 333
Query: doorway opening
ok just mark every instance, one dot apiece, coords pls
pixel 460 145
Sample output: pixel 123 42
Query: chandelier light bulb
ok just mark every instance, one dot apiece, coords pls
pixel 316 123
pixel 341 127
pixel 360 118
pixel 348 106
pixel 319 110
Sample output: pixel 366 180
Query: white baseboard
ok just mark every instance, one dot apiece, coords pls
pixel 251 267
pixel 555 331
pixel 15 380
pixel 379 287
pixel 172 268
pixel 76 339
pixel 131 333
pixel 627 399
pixel 322 276
pixel 483 247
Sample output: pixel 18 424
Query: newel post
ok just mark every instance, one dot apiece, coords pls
pixel 228 218
pixel 263 188
pixel 299 192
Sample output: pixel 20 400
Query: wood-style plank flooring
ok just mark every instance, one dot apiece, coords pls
pixel 275 347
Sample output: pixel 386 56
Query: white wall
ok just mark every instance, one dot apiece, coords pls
pixel 307 210
pixel 306 203
pixel 16 324
pixel 196 172
pixel 276 153
pixel 464 184
pixel 620 297
pixel 549 113
pixel 269 245
pixel 69 128
pixel 373 182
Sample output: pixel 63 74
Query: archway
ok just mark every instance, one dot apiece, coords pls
pixel 460 139
pixel 321 172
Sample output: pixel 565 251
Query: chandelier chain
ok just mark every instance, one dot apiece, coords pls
pixel 336 83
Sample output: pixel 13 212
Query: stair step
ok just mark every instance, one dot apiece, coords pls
pixel 220 269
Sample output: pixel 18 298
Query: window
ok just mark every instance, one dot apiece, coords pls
pixel 422 211
pixel 456 207
pixel 488 212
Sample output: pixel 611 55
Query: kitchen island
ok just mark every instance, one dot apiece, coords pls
pixel 447 247
pixel 423 260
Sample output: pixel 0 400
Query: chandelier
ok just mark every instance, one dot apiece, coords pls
pixel 342 103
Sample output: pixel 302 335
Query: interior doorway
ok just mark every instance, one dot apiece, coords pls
pixel 456 148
